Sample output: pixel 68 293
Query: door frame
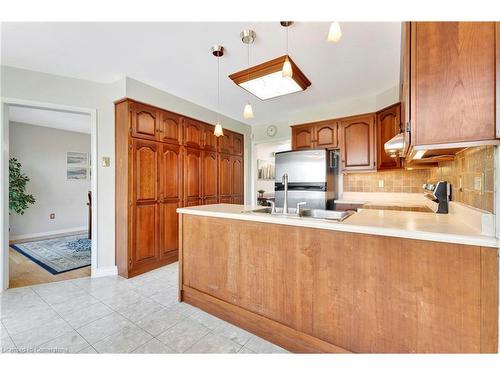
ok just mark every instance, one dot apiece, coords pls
pixel 5 103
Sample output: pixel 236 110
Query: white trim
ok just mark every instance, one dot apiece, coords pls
pixel 4 188
pixel 440 146
pixel 105 271
pixel 47 234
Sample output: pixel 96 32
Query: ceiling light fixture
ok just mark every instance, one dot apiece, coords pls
pixel 247 37
pixel 287 70
pixel 335 33
pixel 218 51
pixel 267 80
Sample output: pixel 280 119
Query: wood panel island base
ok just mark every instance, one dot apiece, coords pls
pixel 314 290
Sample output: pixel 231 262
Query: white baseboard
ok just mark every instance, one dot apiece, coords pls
pixel 47 234
pixel 105 271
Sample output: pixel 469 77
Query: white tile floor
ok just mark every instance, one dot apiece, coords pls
pixel 116 315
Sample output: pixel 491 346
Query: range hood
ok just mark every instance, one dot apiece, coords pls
pixel 394 147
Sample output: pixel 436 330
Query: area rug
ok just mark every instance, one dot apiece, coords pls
pixel 58 255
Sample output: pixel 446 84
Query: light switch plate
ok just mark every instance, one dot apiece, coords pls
pixel 106 161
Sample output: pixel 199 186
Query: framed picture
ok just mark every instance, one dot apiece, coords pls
pixel 77 165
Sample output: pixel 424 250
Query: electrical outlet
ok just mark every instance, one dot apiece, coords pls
pixel 380 183
pixel 106 161
pixel 460 185
pixel 52 216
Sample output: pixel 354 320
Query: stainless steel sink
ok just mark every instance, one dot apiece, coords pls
pixel 326 214
pixel 311 213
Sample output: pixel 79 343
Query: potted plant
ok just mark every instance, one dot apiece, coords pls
pixel 19 201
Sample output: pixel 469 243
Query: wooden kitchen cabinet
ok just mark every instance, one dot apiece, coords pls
pixel 165 161
pixel 171 128
pixel 238 145
pixel 145 121
pixel 452 82
pixel 322 134
pixel 209 180
pixel 193 174
pixel 312 290
pixel 225 175
pixel 193 133
pixel 237 172
pixel 302 137
pixel 210 141
pixel 171 163
pixel 145 203
pixel 356 135
pixel 388 125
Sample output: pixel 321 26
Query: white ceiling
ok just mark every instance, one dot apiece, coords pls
pixel 69 121
pixel 175 57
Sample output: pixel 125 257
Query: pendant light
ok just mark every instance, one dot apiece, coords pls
pixel 218 51
pixel 247 37
pixel 287 66
pixel 335 32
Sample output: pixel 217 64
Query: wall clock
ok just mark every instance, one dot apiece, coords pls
pixel 272 130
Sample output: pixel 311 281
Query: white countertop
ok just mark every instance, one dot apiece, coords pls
pixel 404 224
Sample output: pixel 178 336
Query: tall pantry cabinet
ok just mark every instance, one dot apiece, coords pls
pixel 165 161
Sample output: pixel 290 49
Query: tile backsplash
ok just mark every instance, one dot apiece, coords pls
pixel 476 168
pixel 394 181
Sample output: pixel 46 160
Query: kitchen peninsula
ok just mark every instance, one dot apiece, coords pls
pixel 381 281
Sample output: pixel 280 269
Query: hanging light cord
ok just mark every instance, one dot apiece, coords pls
pixel 287 40
pixel 248 66
pixel 218 90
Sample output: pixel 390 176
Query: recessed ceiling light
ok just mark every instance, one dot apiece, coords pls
pixel 266 80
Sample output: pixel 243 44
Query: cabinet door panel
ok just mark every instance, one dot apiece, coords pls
pixel 192 174
pixel 326 135
pixel 209 139
pixel 237 172
pixel 226 142
pixel 210 200
pixel 358 142
pixel 225 174
pixel 238 144
pixel 209 174
pixel 171 128
pixel 145 170
pixel 237 199
pixel 193 202
pixel 388 125
pixel 169 228
pixel 302 137
pixel 145 244
pixel 145 121
pixel 171 172
pixel 453 81
pixel 193 133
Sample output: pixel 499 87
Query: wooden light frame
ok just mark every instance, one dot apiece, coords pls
pixel 267 68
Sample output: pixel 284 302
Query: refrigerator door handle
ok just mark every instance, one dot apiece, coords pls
pixel 333 159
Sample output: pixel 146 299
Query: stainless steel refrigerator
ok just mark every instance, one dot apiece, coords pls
pixel 312 178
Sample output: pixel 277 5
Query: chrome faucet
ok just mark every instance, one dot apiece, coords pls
pixel 285 186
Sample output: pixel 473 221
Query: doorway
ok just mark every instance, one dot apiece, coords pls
pixel 50 224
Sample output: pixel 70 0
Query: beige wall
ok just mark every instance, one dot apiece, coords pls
pixel 42 154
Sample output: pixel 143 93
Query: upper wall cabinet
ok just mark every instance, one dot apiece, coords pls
pixel 238 144
pixel 226 142
pixel 145 121
pixel 452 82
pixel 302 137
pixel 193 133
pixel 357 142
pixel 209 138
pixel 388 125
pixel 323 134
pixel 171 128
